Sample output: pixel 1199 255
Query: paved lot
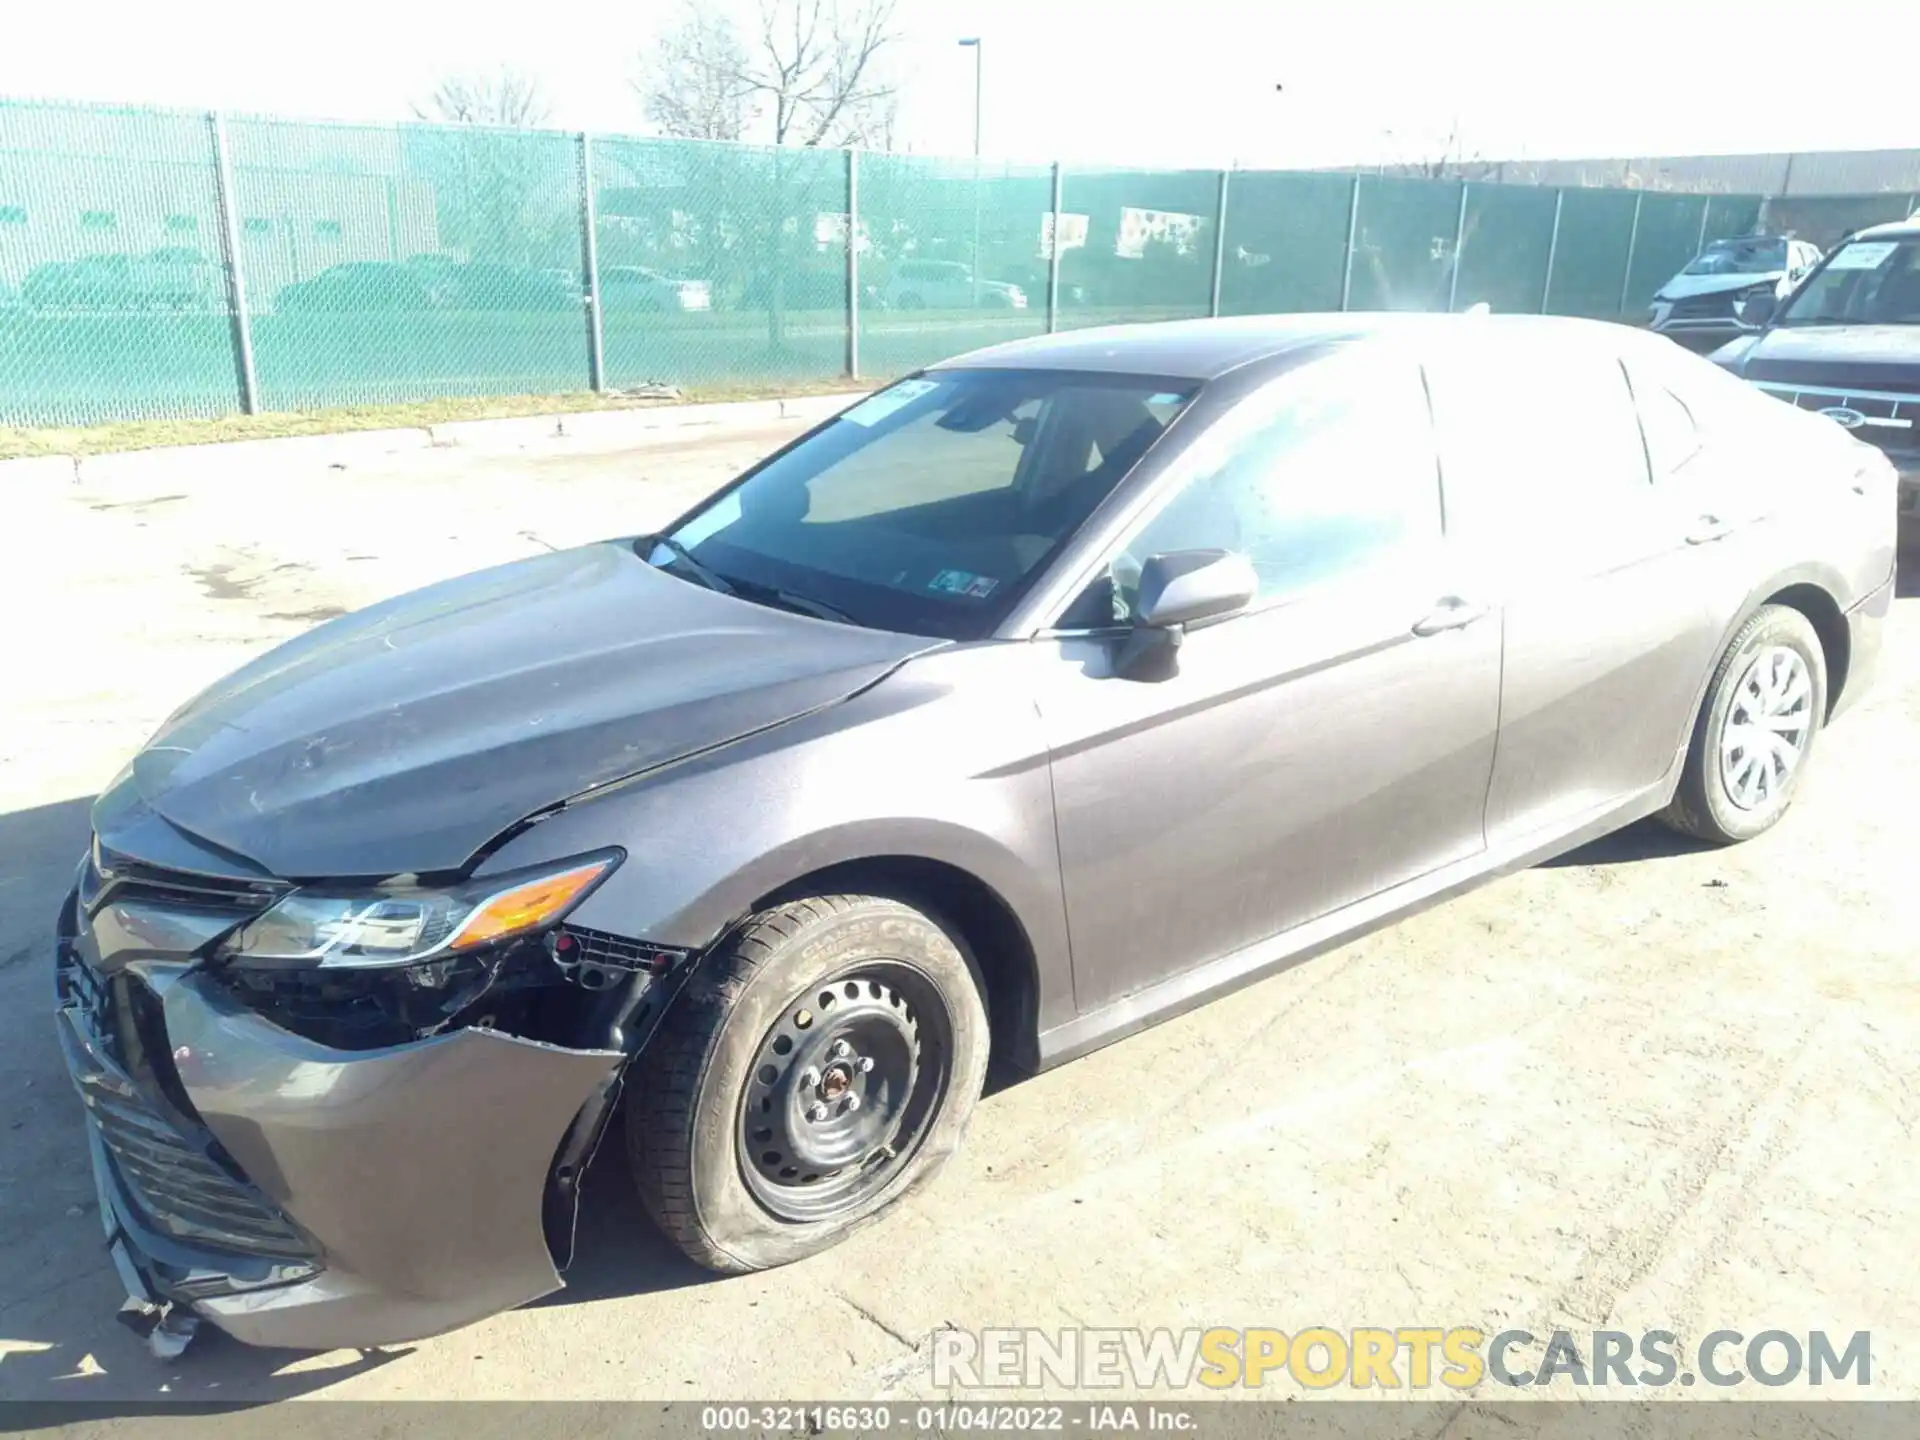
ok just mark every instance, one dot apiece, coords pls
pixel 1647 1087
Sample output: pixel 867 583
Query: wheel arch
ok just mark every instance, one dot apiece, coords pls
pixel 1829 622
pixel 983 919
pixel 1813 590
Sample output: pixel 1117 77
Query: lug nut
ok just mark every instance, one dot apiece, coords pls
pixel 853 1103
pixel 816 1112
pixel 866 1064
pixel 841 1049
pixel 809 1078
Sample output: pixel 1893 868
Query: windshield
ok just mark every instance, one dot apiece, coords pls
pixel 1740 257
pixel 1866 282
pixel 929 507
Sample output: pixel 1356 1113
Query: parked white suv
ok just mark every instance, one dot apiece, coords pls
pixel 1699 307
pixel 947 285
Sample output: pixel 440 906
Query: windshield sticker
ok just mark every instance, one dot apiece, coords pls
pixel 1867 255
pixel 961 582
pixel 876 408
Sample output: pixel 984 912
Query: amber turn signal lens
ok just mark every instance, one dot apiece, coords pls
pixel 528 906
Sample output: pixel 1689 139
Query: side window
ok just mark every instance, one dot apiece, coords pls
pixel 1328 472
pixel 1672 434
pixel 1534 438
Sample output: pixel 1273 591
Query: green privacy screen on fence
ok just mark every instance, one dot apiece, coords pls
pixel 161 264
pixel 112 295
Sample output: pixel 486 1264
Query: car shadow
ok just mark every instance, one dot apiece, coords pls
pixel 1642 840
pixel 1906 575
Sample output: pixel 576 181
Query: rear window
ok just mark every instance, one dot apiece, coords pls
pixel 1672 435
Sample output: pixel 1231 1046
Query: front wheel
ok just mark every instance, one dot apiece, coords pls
pixel 821 1064
pixel 1756 730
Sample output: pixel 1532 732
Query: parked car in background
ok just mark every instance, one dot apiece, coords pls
pixel 438 276
pixel 173 278
pixel 359 285
pixel 480 285
pixel 635 287
pixel 796 289
pixel 947 285
pixel 1043 695
pixel 1698 307
pixel 1846 345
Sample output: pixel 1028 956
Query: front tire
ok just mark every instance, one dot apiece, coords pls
pixel 821 1065
pixel 1755 734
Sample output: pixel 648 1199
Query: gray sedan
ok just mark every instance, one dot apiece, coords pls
pixel 1040 696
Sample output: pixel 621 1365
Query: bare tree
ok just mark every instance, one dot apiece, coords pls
pixel 691 86
pixel 1452 160
pixel 507 97
pixel 806 72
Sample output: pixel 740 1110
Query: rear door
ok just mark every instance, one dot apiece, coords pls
pixel 1597 575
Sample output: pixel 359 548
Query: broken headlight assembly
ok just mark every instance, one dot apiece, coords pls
pixel 410 924
pixel 360 967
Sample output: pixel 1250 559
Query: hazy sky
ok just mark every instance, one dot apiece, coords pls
pixel 1174 81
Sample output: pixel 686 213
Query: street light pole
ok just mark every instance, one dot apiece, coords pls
pixel 973 43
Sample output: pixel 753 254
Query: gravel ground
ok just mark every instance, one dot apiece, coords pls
pixel 1644 1087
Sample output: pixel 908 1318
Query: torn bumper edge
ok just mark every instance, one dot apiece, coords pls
pixel 1866 638
pixel 418 1171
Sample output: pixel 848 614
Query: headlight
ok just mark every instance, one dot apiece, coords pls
pixel 404 924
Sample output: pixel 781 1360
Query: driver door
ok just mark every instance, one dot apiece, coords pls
pixel 1334 739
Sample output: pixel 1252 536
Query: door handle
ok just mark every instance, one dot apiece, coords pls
pixel 1709 528
pixel 1448 613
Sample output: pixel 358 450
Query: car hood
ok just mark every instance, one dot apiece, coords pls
pixel 403 738
pixel 1868 357
pixel 1683 287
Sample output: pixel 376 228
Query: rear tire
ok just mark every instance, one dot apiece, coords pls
pixel 820 1066
pixel 1756 730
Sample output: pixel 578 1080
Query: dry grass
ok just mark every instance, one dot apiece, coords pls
pixel 16 442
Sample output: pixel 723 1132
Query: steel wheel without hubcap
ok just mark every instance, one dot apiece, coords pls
pixel 842 1090
pixel 1766 729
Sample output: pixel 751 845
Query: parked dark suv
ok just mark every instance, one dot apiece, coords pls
pixel 1846 344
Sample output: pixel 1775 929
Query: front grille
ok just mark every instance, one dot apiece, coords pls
pixel 88 992
pixel 1703 307
pixel 109 875
pixel 1889 419
pixel 176 1185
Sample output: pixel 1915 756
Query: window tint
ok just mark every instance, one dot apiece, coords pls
pixel 930 507
pixel 1330 471
pixel 1533 437
pixel 1672 435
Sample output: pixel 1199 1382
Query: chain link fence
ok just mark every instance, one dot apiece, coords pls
pixel 162 264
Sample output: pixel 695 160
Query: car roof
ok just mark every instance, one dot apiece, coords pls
pixel 1208 349
pixel 1907 229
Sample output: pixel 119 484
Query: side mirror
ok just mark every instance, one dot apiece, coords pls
pixel 1177 589
pixel 1757 309
pixel 1189 585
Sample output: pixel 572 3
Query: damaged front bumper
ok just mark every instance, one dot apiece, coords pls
pixel 306 1196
